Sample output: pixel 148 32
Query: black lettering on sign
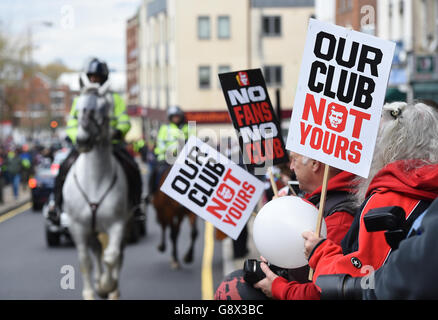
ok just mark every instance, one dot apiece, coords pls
pixel 351 87
pixel 180 185
pixel 372 62
pixel 340 54
pixel 198 177
pixel 320 37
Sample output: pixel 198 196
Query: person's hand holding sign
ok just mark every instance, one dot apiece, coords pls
pixel 311 240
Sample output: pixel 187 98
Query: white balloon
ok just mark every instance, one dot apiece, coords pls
pixel 278 227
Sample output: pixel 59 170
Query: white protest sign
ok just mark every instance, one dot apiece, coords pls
pixel 213 187
pixel 340 95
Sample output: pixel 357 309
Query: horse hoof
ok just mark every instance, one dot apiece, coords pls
pixel 175 265
pixel 115 295
pixel 88 295
pixel 101 293
pixel 188 258
pixel 106 286
pixel 161 248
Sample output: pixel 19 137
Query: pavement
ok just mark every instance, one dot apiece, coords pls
pixel 9 202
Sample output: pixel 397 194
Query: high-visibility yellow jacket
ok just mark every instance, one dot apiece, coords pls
pixel 168 137
pixel 119 118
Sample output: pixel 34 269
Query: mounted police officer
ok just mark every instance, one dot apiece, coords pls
pixel 169 139
pixel 97 72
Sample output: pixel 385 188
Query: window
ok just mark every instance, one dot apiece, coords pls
pixel 273 75
pixel 204 77
pixel 271 26
pixel 223 27
pixel 222 69
pixel 204 27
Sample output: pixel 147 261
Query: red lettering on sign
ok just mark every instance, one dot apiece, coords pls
pixel 331 143
pixel 272 150
pixel 225 192
pixel 266 111
pixel 231 212
pixel 305 130
pixel 228 220
pixel 359 117
pixel 258 112
pixel 316 138
pixel 249 119
pixel 327 146
pixel 253 113
pixel 239 116
pixel 235 213
pixel 228 175
pixel 317 113
pixel 355 147
pixel 248 187
pixel 279 151
pixel 245 197
pixel 341 147
pixel 214 209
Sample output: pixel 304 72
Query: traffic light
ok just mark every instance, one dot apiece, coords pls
pixel 53 124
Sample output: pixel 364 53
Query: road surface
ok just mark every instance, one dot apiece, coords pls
pixel 29 269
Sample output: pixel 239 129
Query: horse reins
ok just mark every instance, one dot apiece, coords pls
pixel 94 206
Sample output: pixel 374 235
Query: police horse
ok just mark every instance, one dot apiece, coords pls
pixel 170 214
pixel 96 195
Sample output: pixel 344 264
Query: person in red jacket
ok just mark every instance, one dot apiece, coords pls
pixel 338 216
pixel 404 173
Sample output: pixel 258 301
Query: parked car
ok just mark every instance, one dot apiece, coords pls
pixel 42 185
pixel 56 225
pixel 43 182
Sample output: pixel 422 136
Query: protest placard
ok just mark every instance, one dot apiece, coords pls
pixel 213 187
pixel 254 119
pixel 340 95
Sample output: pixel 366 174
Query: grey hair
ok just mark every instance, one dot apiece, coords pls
pixel 304 160
pixel 407 131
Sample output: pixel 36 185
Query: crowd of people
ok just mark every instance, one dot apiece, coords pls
pixel 403 175
pixel 18 163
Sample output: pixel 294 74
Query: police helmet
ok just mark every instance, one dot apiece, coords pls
pixel 174 111
pixel 97 67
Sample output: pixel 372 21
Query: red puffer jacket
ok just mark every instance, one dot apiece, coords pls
pixel 337 223
pixel 392 186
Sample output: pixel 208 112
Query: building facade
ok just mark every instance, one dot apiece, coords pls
pixel 359 15
pixel 132 61
pixel 184 45
pixel 413 25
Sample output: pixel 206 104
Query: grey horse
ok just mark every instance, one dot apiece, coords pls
pixel 96 195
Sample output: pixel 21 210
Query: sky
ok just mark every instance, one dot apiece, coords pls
pixel 80 29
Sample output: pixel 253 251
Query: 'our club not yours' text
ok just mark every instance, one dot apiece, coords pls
pixel 345 94
pixel 211 185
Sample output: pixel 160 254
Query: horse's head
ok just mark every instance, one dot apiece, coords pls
pixel 93 106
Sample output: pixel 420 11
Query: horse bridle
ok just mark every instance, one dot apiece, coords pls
pixel 94 206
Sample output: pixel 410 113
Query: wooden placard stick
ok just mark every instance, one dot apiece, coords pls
pixel 292 190
pixel 321 207
pixel 273 184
